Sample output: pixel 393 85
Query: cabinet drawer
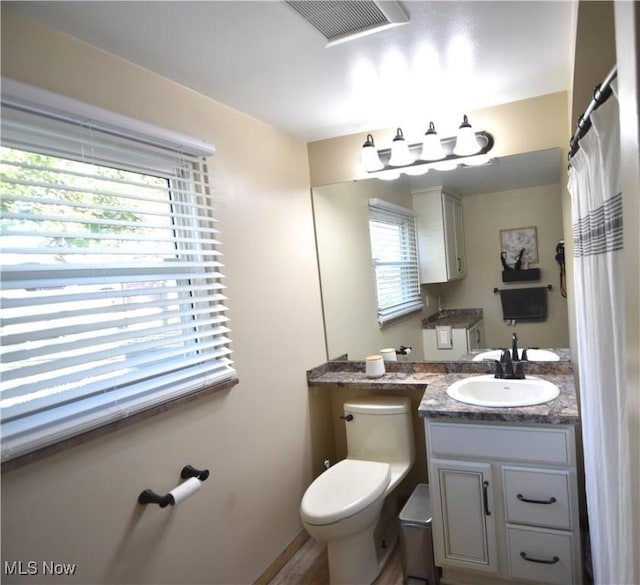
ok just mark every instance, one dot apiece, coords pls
pixel 521 443
pixel 539 497
pixel 540 555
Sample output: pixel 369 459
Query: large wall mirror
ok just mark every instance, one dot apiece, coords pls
pixel 512 192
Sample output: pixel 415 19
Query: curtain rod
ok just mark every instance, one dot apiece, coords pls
pixel 601 94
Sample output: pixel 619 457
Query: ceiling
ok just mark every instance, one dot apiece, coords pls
pixel 262 58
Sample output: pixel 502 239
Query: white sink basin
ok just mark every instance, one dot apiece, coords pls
pixel 533 355
pixel 487 390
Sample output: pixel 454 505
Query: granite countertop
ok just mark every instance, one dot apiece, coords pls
pixel 436 403
pixel 390 381
pixel 458 318
pixel 433 379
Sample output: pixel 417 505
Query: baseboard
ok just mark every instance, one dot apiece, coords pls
pixel 282 559
pixel 461 577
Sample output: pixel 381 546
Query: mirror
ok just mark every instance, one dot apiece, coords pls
pixel 512 192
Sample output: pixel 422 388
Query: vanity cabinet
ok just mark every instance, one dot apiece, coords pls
pixel 505 500
pixel 440 235
pixel 463 340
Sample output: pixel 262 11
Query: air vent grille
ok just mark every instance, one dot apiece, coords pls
pixel 341 20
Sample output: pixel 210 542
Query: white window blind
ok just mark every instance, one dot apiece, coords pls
pixel 392 231
pixel 112 297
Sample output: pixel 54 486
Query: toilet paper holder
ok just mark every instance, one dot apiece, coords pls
pixel 188 471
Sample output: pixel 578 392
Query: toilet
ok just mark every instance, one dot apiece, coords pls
pixel 345 505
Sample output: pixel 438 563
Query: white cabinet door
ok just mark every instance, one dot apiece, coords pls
pixel 464 515
pixel 475 336
pixel 440 235
pixel 454 236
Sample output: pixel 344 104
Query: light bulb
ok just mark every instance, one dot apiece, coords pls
pixel 400 155
pixel 466 141
pixel 369 159
pixel 431 145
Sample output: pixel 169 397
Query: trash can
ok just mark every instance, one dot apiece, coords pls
pixel 416 541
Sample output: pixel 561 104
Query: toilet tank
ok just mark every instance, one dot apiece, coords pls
pixel 381 429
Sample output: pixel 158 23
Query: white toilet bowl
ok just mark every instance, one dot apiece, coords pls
pixel 344 505
pixel 342 508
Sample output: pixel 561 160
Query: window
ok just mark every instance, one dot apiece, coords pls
pixel 112 295
pixel 392 232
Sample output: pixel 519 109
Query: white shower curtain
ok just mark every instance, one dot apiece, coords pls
pixel 594 183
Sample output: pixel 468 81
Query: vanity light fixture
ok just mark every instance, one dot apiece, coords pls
pixel 468 148
pixel 466 142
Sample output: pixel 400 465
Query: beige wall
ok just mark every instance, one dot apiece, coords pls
pixel 595 52
pixel 79 506
pixel 485 215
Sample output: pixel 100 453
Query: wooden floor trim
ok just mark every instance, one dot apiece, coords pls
pixel 282 559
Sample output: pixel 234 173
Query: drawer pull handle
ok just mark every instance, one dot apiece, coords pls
pixel 485 497
pixel 551 500
pixel 553 561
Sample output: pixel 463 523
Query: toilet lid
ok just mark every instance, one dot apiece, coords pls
pixel 343 490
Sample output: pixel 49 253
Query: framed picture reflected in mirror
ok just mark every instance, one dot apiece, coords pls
pixel 512 241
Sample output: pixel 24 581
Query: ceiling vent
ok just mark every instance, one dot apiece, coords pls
pixel 341 21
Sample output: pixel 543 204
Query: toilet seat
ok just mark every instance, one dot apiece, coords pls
pixel 344 490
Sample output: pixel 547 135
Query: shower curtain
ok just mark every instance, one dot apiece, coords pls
pixel 594 184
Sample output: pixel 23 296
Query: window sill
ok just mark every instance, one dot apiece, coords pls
pixel 65 444
pixel 395 319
